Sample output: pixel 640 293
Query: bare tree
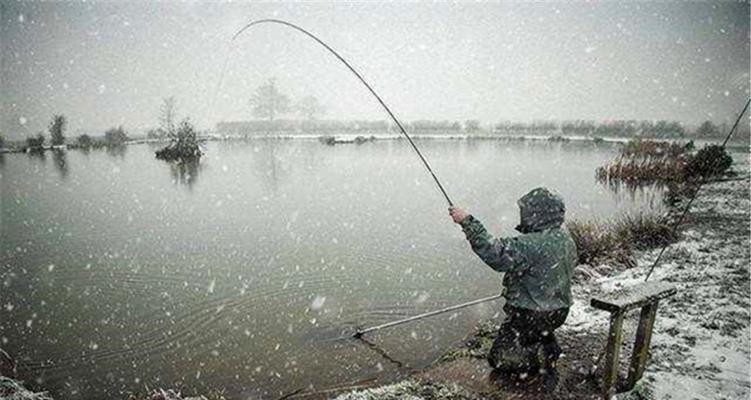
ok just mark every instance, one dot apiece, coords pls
pixel 471 125
pixel 115 137
pixel 167 116
pixel 707 129
pixel 309 108
pixel 57 130
pixel 268 102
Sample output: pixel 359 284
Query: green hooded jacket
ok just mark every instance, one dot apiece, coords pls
pixel 538 264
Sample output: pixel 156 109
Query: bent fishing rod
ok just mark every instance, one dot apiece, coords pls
pixel 357 74
pixel 360 332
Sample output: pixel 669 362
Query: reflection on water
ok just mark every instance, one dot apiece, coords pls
pixel 118 278
pixel 61 163
pixel 268 164
pixel 116 151
pixel 38 155
pixel 185 173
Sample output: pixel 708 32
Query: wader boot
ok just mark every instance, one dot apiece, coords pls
pixel 526 342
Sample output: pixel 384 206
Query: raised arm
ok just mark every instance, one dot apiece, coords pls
pixel 497 253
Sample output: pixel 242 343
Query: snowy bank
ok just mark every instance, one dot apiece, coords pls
pixel 700 347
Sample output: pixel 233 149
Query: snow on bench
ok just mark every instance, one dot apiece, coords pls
pixel 647 296
pixel 634 296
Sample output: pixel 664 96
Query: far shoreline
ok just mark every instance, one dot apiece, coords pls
pixel 352 138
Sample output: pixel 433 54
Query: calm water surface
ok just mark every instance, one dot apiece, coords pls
pixel 121 272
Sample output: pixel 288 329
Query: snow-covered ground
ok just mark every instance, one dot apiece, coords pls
pixel 701 346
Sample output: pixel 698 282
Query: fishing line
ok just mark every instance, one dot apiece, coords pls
pixel 357 74
pixel 381 352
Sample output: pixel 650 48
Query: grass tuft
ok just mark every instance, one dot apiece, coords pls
pixel 615 241
pixel 644 231
pixel 597 243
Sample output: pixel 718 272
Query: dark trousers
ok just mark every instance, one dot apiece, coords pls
pixel 526 341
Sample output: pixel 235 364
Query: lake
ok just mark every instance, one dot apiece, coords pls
pixel 121 272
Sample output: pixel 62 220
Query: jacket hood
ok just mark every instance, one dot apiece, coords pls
pixel 540 210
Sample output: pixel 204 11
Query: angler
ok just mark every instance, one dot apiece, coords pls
pixel 538 266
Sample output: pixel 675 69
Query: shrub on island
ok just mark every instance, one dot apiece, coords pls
pixel 183 145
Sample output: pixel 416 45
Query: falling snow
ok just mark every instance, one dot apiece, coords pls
pixel 122 272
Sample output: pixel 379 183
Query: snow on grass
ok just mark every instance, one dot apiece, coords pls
pixel 701 344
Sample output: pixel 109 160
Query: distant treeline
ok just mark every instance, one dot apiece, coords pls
pixel 619 128
pixel 328 125
pixel 586 128
pixel 113 137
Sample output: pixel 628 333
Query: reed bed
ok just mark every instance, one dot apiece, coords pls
pixel 615 241
pixel 641 170
pixel 645 161
pixel 654 148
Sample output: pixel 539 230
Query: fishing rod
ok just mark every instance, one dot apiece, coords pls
pixel 357 74
pixel 358 334
pixel 696 192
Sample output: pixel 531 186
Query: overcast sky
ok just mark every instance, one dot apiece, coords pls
pixel 104 64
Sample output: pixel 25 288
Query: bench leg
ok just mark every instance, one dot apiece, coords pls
pixel 641 344
pixel 612 355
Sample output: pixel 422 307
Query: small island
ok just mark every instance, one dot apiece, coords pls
pixel 183 146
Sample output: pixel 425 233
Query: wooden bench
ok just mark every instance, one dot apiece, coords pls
pixel 647 296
